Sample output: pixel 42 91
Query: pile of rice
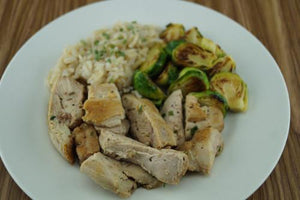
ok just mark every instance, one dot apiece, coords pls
pixel 109 55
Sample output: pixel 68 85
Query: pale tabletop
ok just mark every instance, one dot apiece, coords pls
pixel 276 23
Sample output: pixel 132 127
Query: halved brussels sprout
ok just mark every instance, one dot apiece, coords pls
pixel 233 88
pixel 172 32
pixel 168 76
pixel 155 61
pixel 193 80
pixel 194 36
pixel 145 86
pixel 172 45
pixel 190 55
pixel 212 98
pixel 212 47
pixel 223 64
pixel 187 69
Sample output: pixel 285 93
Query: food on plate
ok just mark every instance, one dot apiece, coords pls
pixel 172 112
pixel 190 80
pixel 64 113
pixel 222 64
pixel 119 177
pixel 155 61
pixel 86 141
pixel 107 173
pixel 190 55
pixel 146 87
pixel 211 98
pixel 103 107
pixel 172 32
pixel 202 149
pixel 138 106
pixel 167 165
pixel 168 76
pixel 233 88
pixel 199 116
pixel 194 36
pixel 147 125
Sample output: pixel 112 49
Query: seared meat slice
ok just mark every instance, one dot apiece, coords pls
pixel 199 117
pixel 86 141
pixel 64 113
pixel 146 123
pixel 202 149
pixel 172 113
pixel 103 107
pixel 107 173
pixel 121 129
pixel 167 165
pixel 139 175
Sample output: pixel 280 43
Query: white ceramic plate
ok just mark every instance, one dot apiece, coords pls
pixel 254 140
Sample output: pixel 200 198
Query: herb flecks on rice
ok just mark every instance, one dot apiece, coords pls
pixel 109 54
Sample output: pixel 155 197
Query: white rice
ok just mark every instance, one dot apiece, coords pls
pixel 109 55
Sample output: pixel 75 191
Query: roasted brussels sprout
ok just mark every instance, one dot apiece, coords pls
pixel 212 98
pixel 155 61
pixel 233 88
pixel 223 64
pixel 145 86
pixel 194 36
pixel 187 69
pixel 210 46
pixel 190 55
pixel 168 76
pixel 172 32
pixel 193 80
pixel 172 45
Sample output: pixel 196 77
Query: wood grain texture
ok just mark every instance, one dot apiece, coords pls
pixel 276 23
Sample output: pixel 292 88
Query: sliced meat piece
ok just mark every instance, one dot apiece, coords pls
pixel 86 141
pixel 139 175
pixel 121 129
pixel 103 107
pixel 107 173
pixel 146 123
pixel 64 113
pixel 199 117
pixel 167 165
pixel 172 113
pixel 202 149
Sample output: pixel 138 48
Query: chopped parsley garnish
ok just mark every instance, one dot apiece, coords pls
pixel 140 110
pixel 99 54
pixel 124 41
pixel 171 113
pixel 83 42
pixel 111 80
pixel 121 29
pixel 120 37
pixel 106 35
pixel 130 27
pixel 163 115
pixel 193 130
pixel 52 117
pixel 108 60
pixel 96 42
pixel 120 53
pixel 134 22
pixel 112 45
pixel 144 39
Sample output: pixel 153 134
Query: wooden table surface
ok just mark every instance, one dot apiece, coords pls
pixel 276 23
